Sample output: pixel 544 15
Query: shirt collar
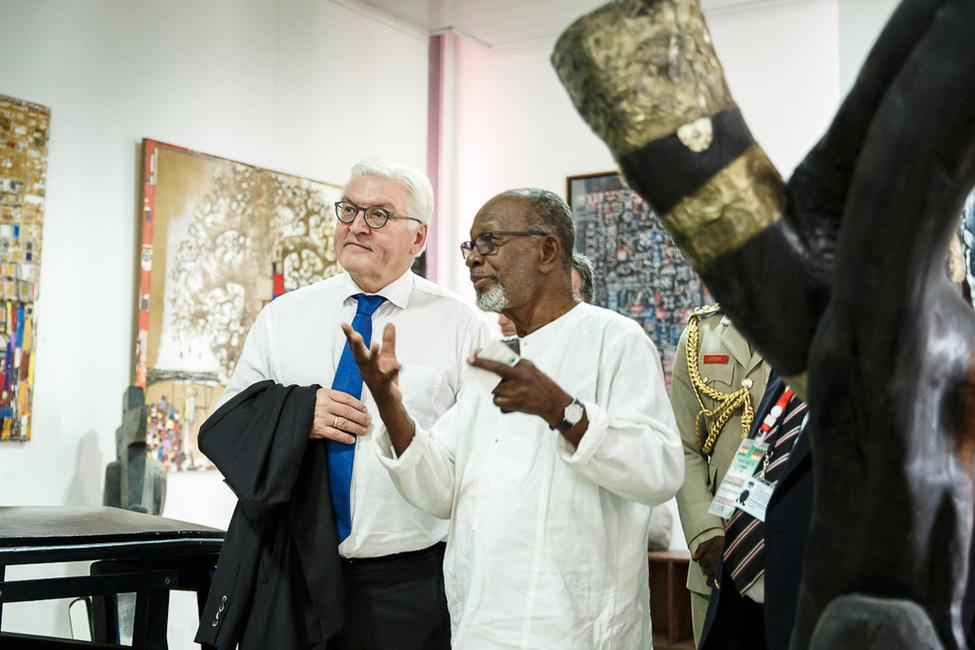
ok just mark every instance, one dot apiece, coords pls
pixel 397 292
pixel 577 310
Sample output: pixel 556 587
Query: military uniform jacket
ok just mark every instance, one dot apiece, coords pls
pixel 725 359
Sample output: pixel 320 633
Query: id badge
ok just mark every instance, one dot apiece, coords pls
pixel 754 497
pixel 742 470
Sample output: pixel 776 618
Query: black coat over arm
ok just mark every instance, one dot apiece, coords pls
pixel 278 581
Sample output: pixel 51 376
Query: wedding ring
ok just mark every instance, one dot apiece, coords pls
pixel 335 424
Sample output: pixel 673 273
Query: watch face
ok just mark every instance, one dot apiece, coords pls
pixel 573 412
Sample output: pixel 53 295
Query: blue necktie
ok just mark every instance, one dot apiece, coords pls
pixel 348 380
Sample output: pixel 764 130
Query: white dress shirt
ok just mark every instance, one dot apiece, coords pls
pixel 548 544
pixel 297 339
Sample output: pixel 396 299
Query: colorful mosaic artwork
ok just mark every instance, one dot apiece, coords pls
pixel 24 132
pixel 220 239
pixel 639 270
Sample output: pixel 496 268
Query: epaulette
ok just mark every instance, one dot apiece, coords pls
pixel 706 310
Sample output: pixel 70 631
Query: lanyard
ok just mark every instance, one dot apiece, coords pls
pixel 774 414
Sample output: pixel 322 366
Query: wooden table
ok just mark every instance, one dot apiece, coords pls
pixel 670 601
pixel 130 552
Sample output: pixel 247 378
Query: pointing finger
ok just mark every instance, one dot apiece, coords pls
pixel 356 344
pixel 502 369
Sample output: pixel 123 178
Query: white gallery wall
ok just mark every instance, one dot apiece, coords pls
pixel 509 123
pixel 514 125
pixel 305 87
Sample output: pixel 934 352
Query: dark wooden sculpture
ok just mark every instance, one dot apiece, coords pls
pixel 837 276
pixel 134 481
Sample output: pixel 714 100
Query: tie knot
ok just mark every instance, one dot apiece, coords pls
pixel 367 304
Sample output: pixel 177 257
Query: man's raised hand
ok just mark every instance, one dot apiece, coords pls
pixel 378 366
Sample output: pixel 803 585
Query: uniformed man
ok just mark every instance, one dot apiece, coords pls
pixel 718 379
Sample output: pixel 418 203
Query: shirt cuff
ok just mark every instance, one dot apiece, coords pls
pixel 591 439
pixel 410 456
pixel 702 537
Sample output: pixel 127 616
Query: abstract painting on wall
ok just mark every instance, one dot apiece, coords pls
pixel 639 270
pixel 220 239
pixel 966 234
pixel 24 132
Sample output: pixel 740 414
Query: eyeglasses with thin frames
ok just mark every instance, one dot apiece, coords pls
pixel 487 242
pixel 376 217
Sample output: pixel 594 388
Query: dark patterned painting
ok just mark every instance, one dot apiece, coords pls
pixel 220 239
pixel 639 270
pixel 966 232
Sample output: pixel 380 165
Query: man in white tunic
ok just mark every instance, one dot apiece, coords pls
pixel 549 480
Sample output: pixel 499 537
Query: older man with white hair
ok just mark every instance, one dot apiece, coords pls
pixel 320 528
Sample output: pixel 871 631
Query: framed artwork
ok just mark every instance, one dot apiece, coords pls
pixel 220 239
pixel 966 234
pixel 24 132
pixel 639 270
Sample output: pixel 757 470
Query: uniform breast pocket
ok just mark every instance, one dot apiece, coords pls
pixel 720 376
pixel 426 393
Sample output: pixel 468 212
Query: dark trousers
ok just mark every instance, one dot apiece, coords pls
pixel 395 602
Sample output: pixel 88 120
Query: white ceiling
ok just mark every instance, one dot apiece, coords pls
pixel 498 23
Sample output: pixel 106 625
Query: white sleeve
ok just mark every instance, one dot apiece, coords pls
pixel 631 446
pixel 425 472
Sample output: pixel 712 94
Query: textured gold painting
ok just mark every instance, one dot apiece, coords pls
pixel 220 239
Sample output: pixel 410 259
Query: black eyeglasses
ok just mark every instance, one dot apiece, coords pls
pixel 376 217
pixel 487 242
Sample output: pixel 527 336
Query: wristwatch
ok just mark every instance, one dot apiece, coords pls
pixel 570 416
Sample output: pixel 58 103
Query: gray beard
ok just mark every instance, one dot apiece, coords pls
pixel 493 299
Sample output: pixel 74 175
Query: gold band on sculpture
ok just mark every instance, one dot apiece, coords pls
pixel 738 203
pixel 638 71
